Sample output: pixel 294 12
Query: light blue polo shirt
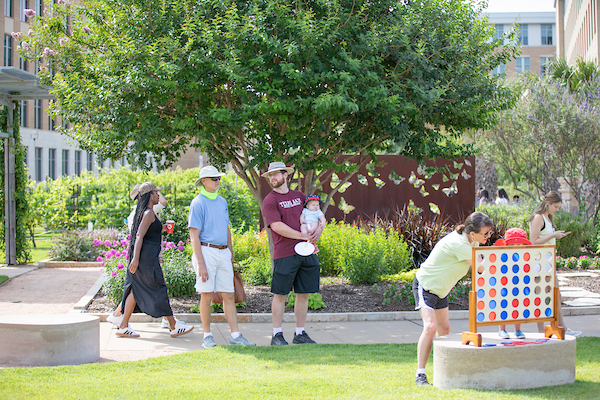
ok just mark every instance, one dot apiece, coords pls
pixel 211 217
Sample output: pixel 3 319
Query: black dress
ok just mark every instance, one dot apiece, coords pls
pixel 148 282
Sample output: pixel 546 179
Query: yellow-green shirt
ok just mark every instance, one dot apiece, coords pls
pixel 447 263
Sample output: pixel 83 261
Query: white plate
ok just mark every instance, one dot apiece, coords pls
pixel 304 248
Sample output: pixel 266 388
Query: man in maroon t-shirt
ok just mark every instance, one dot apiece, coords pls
pixel 282 209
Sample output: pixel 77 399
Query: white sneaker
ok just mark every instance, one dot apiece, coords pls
pixel 571 332
pixel 165 323
pixel 181 329
pixel 127 332
pixel 113 319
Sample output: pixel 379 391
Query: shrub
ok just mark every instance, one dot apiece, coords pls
pixel 81 245
pixel 581 232
pixel 506 217
pixel 584 262
pixel 315 301
pixel 180 215
pixel 366 257
pixel 331 244
pixel 180 276
pixel 257 271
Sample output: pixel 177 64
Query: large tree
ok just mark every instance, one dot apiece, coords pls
pixel 553 131
pixel 251 81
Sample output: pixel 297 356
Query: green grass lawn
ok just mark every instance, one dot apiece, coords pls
pixel 382 371
pixel 43 241
pixel 3 278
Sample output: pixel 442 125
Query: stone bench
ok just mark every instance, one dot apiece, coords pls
pixel 48 340
pixel 458 366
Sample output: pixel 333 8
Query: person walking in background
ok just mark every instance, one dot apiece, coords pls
pixel 282 209
pixel 213 254
pixel 145 289
pixel 542 231
pixel 449 261
pixel 516 200
pixel 502 198
pixel 485 197
pixel 116 316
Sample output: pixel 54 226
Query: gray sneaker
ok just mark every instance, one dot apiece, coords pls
pixel 208 342
pixel 278 340
pixel 240 340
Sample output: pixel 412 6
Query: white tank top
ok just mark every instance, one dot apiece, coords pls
pixel 548 230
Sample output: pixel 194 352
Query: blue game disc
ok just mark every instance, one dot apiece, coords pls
pixel 506 342
pixel 489 345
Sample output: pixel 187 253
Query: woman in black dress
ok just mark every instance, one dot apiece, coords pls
pixel 145 289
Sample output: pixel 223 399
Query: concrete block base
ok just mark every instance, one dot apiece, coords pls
pixel 458 366
pixel 48 340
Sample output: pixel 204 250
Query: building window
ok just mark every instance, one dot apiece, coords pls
pixel 38 7
pixel 26 148
pixel 23 7
pixel 51 126
pixel 52 163
pixel 522 64
pixel 90 161
pixel 499 32
pixel 524 35
pixel 36 68
pixel 38 114
pixel 547 34
pixel 65 162
pixel 7 50
pixel 38 164
pixel 8 8
pixel 77 162
pixel 499 70
pixel 544 63
pixel 23 63
pixel 24 113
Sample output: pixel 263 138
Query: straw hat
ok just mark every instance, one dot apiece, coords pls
pixel 278 166
pixel 135 191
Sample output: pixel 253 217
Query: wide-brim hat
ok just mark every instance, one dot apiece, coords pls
pixel 135 191
pixel 208 172
pixel 516 236
pixel 147 187
pixel 278 166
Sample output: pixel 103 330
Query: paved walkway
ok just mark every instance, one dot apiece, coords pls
pixel 62 288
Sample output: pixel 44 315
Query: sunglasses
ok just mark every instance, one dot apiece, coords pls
pixel 487 235
pixel 217 179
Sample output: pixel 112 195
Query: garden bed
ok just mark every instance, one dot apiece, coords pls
pixel 339 297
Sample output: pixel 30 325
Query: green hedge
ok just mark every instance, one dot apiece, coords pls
pixel 103 199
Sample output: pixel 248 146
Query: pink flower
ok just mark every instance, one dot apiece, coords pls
pixel 128 237
pixel 107 243
pixel 108 255
pixel 181 248
pixel 16 35
pixel 25 46
pixel 86 29
pixel 115 243
pixel 60 2
pixel 118 254
pixel 120 266
pixel 62 41
pixel 114 273
pixel 97 242
pixel 99 259
pixel 102 264
pixel 124 242
pixel 180 243
pixel 48 52
pixel 29 12
pixel 113 252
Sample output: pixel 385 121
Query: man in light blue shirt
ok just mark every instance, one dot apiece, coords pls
pixel 213 256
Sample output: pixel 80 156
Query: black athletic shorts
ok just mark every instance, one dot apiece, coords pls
pixel 424 298
pixel 301 273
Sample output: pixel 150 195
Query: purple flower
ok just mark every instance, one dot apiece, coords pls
pixel 102 264
pixel 128 237
pixel 107 243
pixel 48 52
pixel 99 259
pixel 97 242
pixel 181 248
pixel 180 243
pixel 120 266
pixel 86 29
pixel 124 242
pixel 118 254
pixel 115 243
pixel 29 12
pixel 114 273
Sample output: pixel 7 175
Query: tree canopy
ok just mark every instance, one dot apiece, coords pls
pixel 254 81
pixel 552 132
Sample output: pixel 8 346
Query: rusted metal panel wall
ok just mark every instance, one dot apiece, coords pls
pixel 395 181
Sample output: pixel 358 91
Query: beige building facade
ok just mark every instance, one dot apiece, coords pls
pixel 578 23
pixel 537 35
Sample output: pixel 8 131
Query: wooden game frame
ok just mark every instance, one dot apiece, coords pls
pixel 553 329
